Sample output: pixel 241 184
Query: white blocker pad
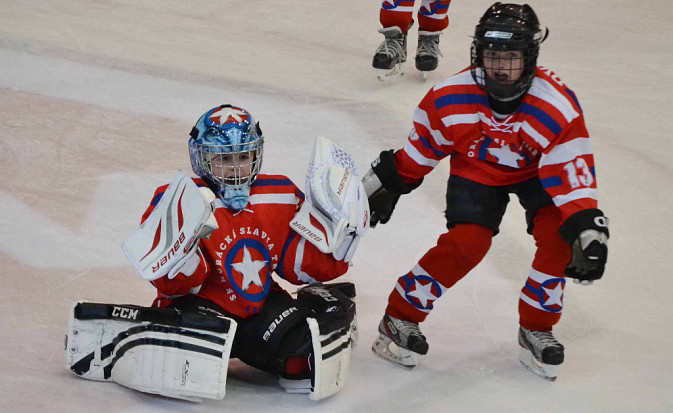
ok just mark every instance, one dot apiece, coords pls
pixel 151 350
pixel 169 236
pixel 336 207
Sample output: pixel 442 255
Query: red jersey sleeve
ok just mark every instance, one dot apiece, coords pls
pixel 427 144
pixel 567 170
pixel 303 263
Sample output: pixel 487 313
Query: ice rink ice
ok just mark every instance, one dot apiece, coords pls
pixel 97 99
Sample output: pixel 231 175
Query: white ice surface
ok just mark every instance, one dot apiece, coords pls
pixel 97 99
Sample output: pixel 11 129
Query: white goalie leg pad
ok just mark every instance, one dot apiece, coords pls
pixel 332 353
pixel 336 210
pixel 187 358
pixel 168 236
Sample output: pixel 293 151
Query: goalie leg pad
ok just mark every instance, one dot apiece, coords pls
pixel 152 350
pixel 331 359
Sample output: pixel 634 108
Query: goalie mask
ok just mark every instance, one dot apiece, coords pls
pixel 505 50
pixel 225 148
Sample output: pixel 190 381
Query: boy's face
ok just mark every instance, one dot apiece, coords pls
pixel 232 168
pixel 504 67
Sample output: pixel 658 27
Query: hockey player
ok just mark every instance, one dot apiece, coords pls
pixel 509 127
pixel 248 229
pixel 396 17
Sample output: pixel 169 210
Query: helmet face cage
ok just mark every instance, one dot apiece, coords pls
pixel 230 165
pixel 226 148
pixel 503 28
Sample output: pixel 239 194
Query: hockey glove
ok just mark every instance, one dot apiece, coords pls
pixel 587 234
pixel 384 185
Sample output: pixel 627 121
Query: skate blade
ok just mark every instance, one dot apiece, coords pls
pixel 406 359
pixel 546 371
pixel 385 75
pixel 425 75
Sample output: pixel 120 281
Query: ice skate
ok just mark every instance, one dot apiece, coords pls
pixel 407 337
pixel 427 52
pixel 390 54
pixel 540 353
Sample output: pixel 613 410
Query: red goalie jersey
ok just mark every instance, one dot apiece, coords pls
pixel 545 137
pixel 238 259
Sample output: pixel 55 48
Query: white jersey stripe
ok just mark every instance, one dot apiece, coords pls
pixel 461 119
pixel 420 116
pixel 298 260
pixel 545 91
pixel 566 152
pixel 538 137
pixel 418 157
pixel 274 199
pixel 575 195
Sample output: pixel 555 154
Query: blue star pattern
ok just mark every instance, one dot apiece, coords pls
pixel 248 275
pixel 419 289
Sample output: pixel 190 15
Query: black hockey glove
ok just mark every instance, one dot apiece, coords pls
pixel 384 185
pixel 587 234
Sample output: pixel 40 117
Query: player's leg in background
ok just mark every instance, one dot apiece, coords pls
pixel 396 17
pixel 432 20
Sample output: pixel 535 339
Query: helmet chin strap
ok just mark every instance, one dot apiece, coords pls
pixel 235 199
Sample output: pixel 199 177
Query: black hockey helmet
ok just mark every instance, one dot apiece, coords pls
pixel 506 27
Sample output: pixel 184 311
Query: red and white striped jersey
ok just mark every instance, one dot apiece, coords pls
pixel 237 260
pixel 546 138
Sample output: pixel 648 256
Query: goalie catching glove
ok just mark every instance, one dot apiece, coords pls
pixel 587 234
pixel 335 214
pixel 167 242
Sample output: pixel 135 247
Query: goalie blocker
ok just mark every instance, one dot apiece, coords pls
pixel 167 242
pixel 185 354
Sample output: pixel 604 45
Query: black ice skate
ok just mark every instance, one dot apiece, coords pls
pixel 540 353
pixel 408 340
pixel 391 53
pixel 427 52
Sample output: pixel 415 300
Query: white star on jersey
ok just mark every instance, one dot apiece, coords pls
pixel 555 295
pixel 506 156
pixel 226 113
pixel 249 269
pixel 423 293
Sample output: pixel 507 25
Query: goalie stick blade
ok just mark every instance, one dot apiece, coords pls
pixel 546 371
pixel 405 359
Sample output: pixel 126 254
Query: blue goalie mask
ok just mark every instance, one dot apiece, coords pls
pixel 225 148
